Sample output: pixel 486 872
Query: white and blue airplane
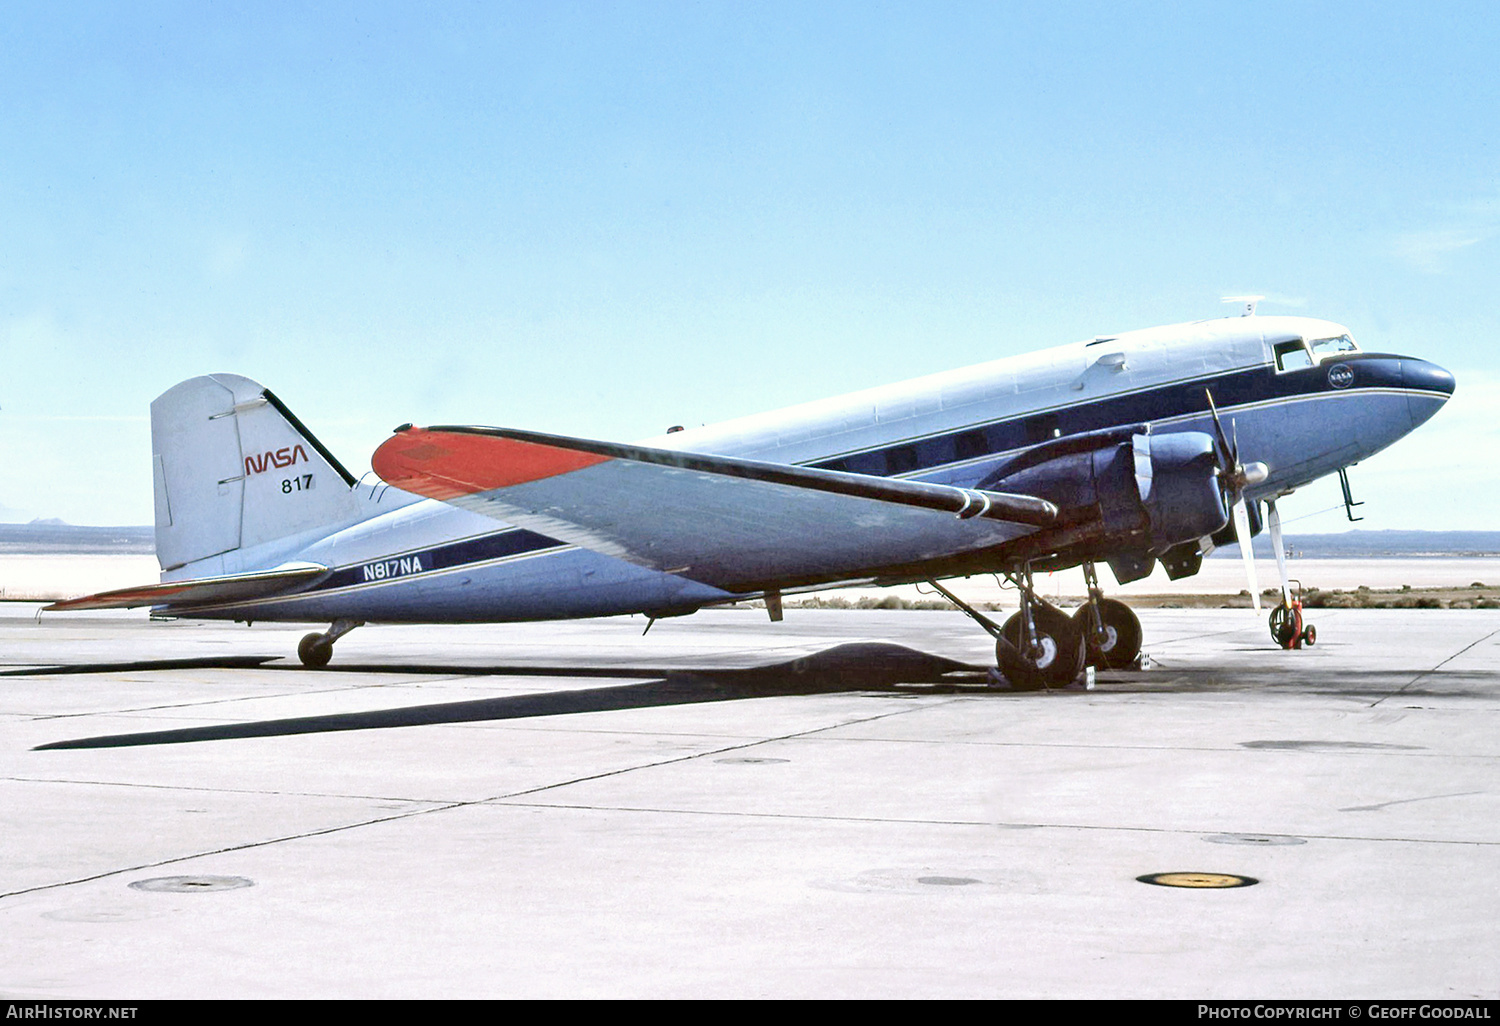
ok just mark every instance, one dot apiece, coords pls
pixel 1132 449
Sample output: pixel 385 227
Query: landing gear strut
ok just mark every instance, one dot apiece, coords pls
pixel 1110 630
pixel 316 649
pixel 1287 627
pixel 1038 647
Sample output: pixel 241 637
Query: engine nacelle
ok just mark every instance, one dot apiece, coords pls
pixel 1184 498
pixel 1124 495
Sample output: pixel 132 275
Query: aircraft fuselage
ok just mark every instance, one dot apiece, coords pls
pixel 1299 400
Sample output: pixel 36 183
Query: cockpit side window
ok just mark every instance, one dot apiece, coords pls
pixel 1292 355
pixel 1323 348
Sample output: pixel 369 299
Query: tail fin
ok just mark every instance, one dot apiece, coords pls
pixel 233 468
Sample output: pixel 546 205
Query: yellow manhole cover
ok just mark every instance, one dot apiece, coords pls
pixel 1197 880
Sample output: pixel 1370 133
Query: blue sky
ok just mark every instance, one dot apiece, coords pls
pixel 605 218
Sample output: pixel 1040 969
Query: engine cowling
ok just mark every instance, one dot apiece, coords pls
pixel 1124 495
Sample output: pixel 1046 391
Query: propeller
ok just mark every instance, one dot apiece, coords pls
pixel 1234 478
pixel 1273 521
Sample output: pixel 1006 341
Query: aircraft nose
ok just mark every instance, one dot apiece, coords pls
pixel 1430 387
pixel 1429 377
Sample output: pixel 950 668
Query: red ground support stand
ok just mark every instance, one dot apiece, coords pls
pixel 1287 629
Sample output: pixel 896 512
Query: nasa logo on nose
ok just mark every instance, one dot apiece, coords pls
pixel 1340 375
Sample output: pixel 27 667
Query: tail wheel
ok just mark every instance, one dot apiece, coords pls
pixel 1286 625
pixel 1121 644
pixel 314 651
pixel 1058 656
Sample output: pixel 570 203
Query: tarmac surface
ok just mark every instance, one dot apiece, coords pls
pixel 832 806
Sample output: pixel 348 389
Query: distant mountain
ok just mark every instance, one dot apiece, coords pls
pixel 55 537
pixel 1376 544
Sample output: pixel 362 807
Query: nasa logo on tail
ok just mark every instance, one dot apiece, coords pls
pixel 279 460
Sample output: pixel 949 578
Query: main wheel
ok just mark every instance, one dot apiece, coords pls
pixel 1121 645
pixel 1059 654
pixel 314 651
pixel 1286 625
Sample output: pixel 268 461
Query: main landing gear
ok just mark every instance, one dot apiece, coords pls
pixel 316 649
pixel 1111 632
pixel 1040 646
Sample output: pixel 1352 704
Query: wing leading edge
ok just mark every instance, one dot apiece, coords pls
pixel 732 523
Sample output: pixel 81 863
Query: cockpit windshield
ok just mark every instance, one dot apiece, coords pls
pixel 1326 347
pixel 1296 353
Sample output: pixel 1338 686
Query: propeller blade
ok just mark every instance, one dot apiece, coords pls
pixel 1273 520
pixel 1219 430
pixel 1242 534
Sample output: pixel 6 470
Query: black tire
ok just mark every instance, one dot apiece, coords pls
pixel 314 651
pixel 1122 630
pixel 1309 635
pixel 1286 625
pixel 1059 662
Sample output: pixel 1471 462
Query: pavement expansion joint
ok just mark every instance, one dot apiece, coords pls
pixel 909 821
pixel 229 849
pixel 201 789
pixel 1407 801
pixel 1426 673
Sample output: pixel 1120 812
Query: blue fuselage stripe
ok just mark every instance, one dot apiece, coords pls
pixel 509 542
pixel 1235 388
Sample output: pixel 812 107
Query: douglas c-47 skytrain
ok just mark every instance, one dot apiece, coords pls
pixel 1133 449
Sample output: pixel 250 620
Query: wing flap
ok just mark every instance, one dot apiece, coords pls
pixel 202 591
pixel 727 522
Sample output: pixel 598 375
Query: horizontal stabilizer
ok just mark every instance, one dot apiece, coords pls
pixel 728 522
pixel 204 590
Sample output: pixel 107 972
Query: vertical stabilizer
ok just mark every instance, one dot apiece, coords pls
pixel 233 468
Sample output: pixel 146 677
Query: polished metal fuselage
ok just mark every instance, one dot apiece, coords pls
pixel 415 560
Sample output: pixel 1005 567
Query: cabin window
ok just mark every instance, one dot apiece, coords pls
pixel 1326 347
pixel 971 445
pixel 1000 437
pixel 1292 355
pixel 1043 428
pixel 865 463
pixel 901 460
pixel 934 452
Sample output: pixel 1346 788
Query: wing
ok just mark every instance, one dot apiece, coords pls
pixel 735 524
pixel 203 591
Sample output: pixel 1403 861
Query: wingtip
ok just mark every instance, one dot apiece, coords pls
pixel 445 464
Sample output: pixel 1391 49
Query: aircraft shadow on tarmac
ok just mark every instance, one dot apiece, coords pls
pixel 851 667
pixel 858 667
